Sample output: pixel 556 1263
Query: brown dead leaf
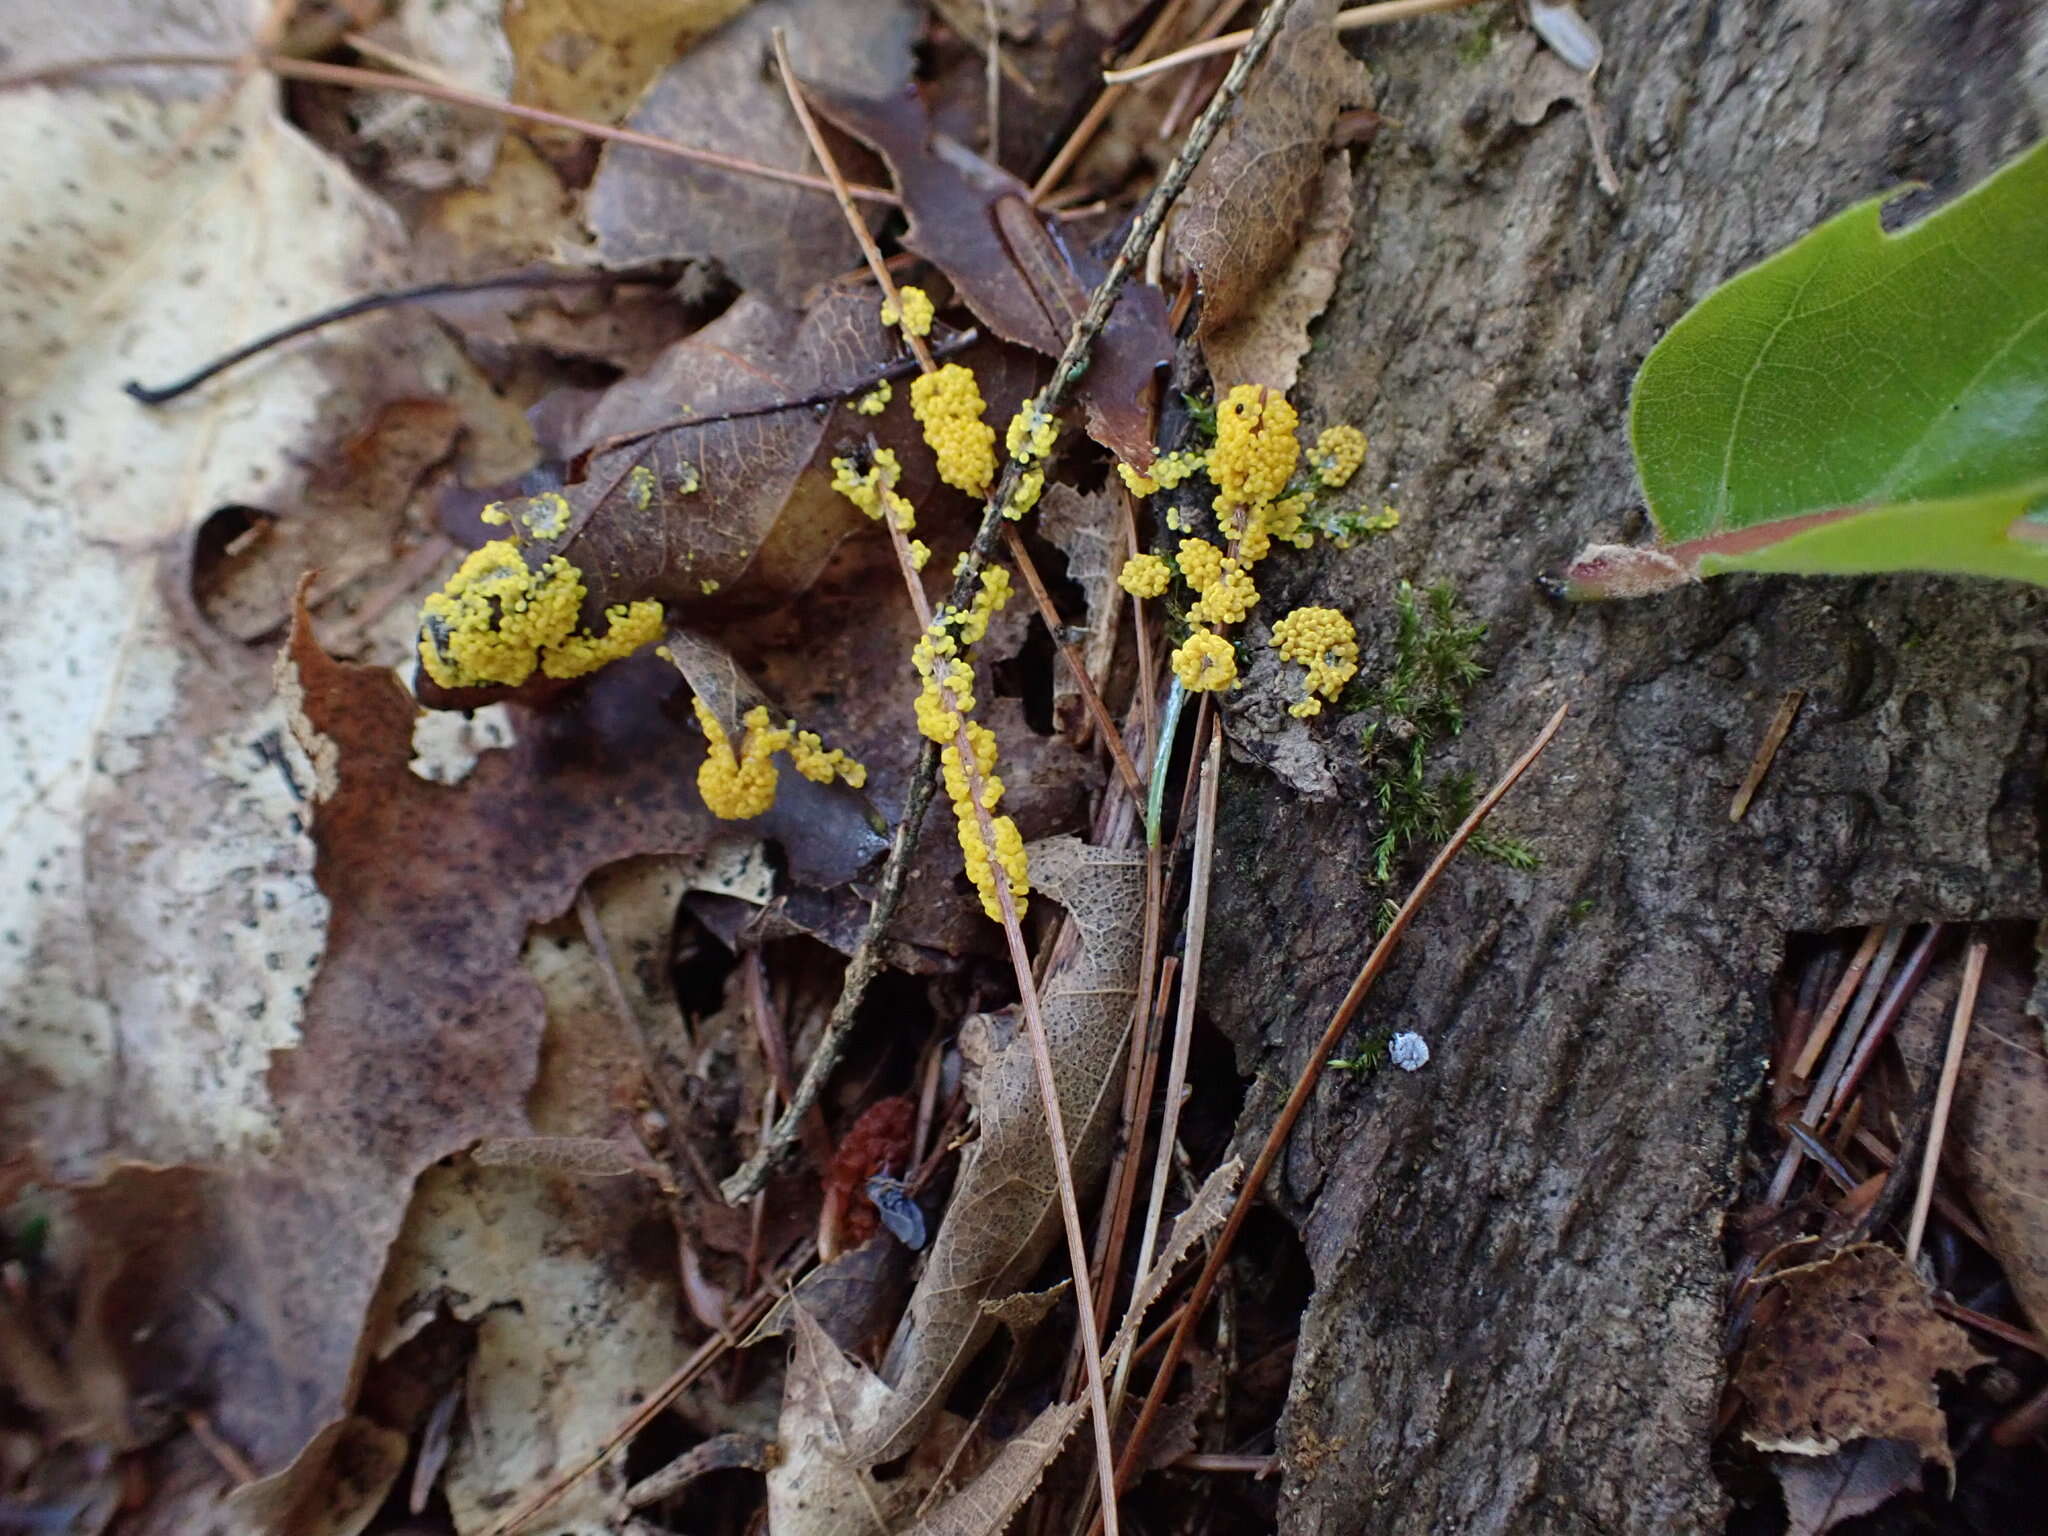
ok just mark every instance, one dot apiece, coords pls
pixel 776 241
pixel 1267 340
pixel 974 222
pixel 1243 212
pixel 1864 1474
pixel 1853 1354
pixel 348 524
pixel 1004 1214
pixel 421 1036
pixel 2001 1128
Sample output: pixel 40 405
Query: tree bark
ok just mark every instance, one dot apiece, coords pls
pixel 1517 1256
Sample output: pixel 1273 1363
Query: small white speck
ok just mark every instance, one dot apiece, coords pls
pixel 1408 1051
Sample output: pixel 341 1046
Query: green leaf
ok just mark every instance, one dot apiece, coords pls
pixel 1859 402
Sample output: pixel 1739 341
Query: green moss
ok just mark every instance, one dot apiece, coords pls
pixel 1417 704
pixel 1478 43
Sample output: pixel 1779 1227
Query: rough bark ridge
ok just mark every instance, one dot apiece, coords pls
pixel 1517 1251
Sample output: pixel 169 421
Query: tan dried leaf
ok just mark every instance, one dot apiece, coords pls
pixel 2002 1132
pixel 1245 206
pixel 1267 340
pixel 986 1506
pixel 1853 1354
pixel 830 1405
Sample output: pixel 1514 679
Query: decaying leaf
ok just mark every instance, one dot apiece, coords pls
pixel 1820 1493
pixel 975 223
pixel 1853 1354
pixel 1267 339
pixel 1205 1213
pixel 776 241
pixel 1004 1214
pixel 829 1404
pixel 1244 208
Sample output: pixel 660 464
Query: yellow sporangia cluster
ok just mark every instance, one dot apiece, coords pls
pixel 1322 640
pixel 497 619
pixel 876 400
pixel 1167 471
pixel 1028 440
pixel 1255 452
pixel 738 782
pixel 1205 662
pixel 1338 452
pixel 1145 576
pixel 873 490
pixel 916 315
pixel 945 710
pixel 1256 456
pixel 948 405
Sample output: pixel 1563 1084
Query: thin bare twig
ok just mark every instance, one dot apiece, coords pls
pixel 1356 17
pixel 1951 1068
pixel 349 75
pixel 160 394
pixel 1852 978
pixel 865 962
pixel 1774 738
pixel 1304 1085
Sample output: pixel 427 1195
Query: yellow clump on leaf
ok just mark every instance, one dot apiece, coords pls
pixel 1205 662
pixel 808 752
pixel 739 782
pixel 1322 640
pixel 1144 576
pixel 1338 452
pixel 948 405
pixel 498 619
pixel 916 315
pixel 1256 449
pixel 1168 470
pixel 876 400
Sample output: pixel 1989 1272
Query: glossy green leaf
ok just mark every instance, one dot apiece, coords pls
pixel 1859 402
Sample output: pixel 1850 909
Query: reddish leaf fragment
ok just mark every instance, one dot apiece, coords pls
pixel 974 222
pixel 878 1143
